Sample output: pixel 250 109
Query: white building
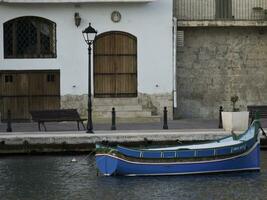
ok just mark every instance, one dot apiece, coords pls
pixel 44 59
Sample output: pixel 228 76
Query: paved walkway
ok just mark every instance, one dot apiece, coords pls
pixel 183 124
pixel 71 126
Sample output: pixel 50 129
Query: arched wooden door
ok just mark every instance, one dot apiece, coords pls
pixel 115 65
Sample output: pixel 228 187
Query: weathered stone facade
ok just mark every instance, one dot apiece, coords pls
pixel 217 63
pixel 156 103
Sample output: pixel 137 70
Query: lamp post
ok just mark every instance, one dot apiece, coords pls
pixel 89 35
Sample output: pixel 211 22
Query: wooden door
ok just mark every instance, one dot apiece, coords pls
pixel 22 91
pixel 14 95
pixel 44 91
pixel 115 65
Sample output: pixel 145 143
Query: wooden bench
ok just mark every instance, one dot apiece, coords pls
pixel 261 110
pixel 42 116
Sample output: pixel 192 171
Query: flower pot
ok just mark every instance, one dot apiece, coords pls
pixel 235 121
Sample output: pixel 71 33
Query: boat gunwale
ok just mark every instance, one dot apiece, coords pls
pixel 190 150
pixel 211 148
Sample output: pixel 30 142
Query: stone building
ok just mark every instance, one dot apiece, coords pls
pixel 221 52
pixel 44 59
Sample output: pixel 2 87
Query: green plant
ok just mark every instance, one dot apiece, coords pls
pixel 234 99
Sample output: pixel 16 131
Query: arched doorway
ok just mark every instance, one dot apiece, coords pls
pixel 115 65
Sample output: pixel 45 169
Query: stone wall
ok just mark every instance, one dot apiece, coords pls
pixel 156 103
pixel 217 63
pixel 78 102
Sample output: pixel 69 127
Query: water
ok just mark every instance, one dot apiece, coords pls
pixel 57 178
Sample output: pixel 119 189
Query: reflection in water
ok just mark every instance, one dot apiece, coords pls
pixel 56 177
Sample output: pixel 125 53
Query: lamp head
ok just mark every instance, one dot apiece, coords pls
pixel 89 34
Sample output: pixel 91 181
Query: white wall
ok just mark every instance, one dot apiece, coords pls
pixel 151 23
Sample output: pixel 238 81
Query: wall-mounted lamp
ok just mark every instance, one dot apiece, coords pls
pixel 77 19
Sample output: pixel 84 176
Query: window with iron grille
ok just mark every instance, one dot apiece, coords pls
pixel 29 37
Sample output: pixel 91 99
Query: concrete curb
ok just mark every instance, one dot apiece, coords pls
pixel 74 141
pixel 100 136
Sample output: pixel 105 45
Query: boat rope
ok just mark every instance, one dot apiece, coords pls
pixel 263 132
pixel 179 141
pixel 68 175
pixel 75 173
pixel 90 154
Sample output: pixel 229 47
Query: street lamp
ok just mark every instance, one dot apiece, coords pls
pixel 89 35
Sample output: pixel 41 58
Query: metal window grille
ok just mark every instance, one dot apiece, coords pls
pixel 180 38
pixel 223 9
pixel 29 37
pixel 213 10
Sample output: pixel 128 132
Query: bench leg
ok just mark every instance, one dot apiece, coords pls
pixel 39 126
pixel 83 125
pixel 78 125
pixel 44 126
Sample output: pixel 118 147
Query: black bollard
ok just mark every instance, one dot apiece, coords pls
pixel 9 128
pixel 165 118
pixel 220 117
pixel 113 120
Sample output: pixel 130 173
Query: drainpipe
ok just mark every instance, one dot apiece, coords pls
pixel 174 46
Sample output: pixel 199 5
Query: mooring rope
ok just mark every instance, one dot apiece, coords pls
pixel 85 158
pixel 263 132
pixel 90 165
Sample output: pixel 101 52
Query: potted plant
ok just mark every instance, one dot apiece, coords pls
pixel 235 120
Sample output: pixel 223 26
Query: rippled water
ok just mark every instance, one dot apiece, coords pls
pixel 56 177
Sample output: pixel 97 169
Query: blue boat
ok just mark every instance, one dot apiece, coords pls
pixel 232 153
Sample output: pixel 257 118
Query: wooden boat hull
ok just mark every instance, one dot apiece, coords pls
pixel 109 164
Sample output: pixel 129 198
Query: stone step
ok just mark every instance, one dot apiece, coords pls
pixel 115 101
pixel 128 110
pixel 127 120
pixel 125 108
pixel 128 114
